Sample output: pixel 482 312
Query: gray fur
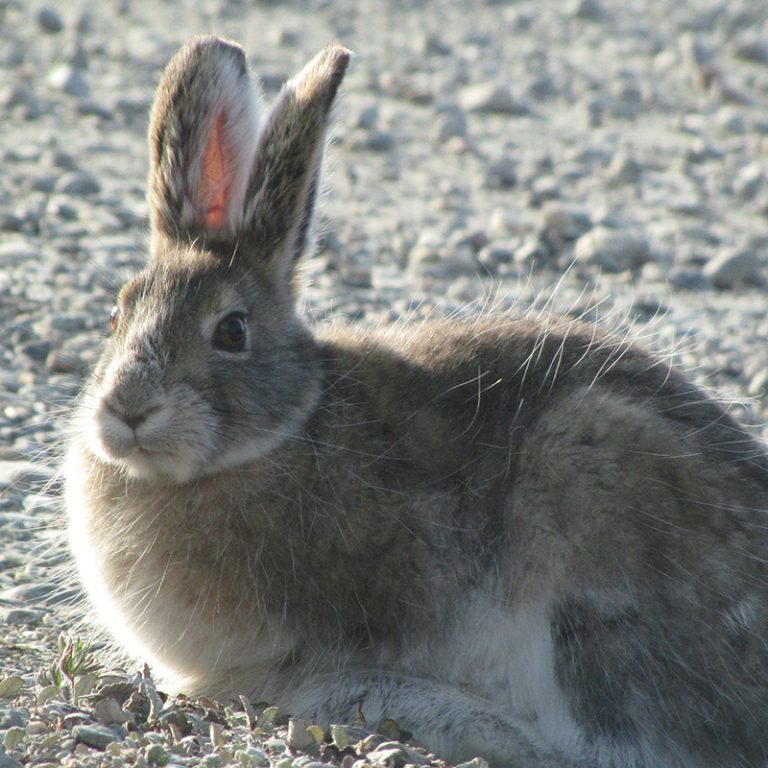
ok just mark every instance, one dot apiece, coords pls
pixel 523 538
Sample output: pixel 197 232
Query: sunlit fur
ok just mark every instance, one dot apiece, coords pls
pixel 523 538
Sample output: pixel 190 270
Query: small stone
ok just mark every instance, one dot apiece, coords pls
pixel 368 117
pixel 496 254
pixel 13 717
pixel 532 250
pixel 501 174
pixel 23 617
pixel 503 223
pixel 298 735
pixel 449 123
pixel 731 269
pixel 624 169
pixel 436 46
pixel 96 736
pixel 749 180
pixel 562 223
pixel 49 20
pixel 372 141
pixel 591 10
pixel 758 385
pixel 288 36
pixel 22 473
pixel 753 49
pixel 108 711
pixel 69 79
pixel 9 762
pixel 611 250
pixel 492 98
pixel 77 184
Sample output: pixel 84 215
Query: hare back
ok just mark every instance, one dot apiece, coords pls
pixel 612 494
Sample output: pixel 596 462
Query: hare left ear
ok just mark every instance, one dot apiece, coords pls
pixel 203 138
pixel 284 182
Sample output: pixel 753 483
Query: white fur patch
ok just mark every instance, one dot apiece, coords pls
pixel 507 657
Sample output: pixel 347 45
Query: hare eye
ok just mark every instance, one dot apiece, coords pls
pixel 231 333
pixel 113 316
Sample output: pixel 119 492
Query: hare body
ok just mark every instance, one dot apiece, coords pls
pixel 522 539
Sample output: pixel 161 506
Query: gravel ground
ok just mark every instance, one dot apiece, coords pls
pixel 606 158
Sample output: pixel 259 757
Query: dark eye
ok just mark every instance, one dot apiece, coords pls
pixel 231 333
pixel 113 316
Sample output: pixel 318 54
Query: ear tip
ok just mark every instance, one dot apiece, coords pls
pixel 322 76
pixel 336 58
pixel 211 48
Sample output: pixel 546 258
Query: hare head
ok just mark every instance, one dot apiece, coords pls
pixel 209 365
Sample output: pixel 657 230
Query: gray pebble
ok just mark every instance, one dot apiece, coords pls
pixel 497 254
pixel 69 79
pixel 503 223
pixel 23 617
pixel 78 183
pixel 501 174
pixel 758 385
pixel 10 222
pixel 749 180
pixel 13 717
pixel 16 252
pixel 591 10
pixel 731 269
pixel 689 279
pixel 49 20
pixel 611 250
pixel 367 118
pixel 436 46
pixel 29 593
pixel 624 169
pixel 492 98
pixel 8 762
pixel 532 250
pixel 372 141
pixel 96 736
pixel 563 223
pixel 15 473
pixel 753 48
pixel 449 123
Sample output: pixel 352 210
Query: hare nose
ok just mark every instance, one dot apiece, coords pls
pixel 131 417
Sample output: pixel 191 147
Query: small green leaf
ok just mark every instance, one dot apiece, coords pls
pixel 10 686
pixel 267 717
pixel 13 737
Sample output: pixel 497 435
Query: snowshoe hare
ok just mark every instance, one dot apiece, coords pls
pixel 522 539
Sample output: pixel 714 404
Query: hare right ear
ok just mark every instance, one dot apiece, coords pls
pixel 203 138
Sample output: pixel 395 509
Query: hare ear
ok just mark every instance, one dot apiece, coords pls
pixel 203 139
pixel 285 178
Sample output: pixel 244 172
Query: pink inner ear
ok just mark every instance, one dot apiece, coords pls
pixel 215 178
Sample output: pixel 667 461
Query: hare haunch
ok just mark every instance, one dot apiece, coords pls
pixel 522 539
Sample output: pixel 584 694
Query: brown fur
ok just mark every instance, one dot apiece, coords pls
pixel 523 538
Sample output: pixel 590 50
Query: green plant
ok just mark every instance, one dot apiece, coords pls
pixel 75 665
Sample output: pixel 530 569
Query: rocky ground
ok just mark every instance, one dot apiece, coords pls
pixel 599 157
